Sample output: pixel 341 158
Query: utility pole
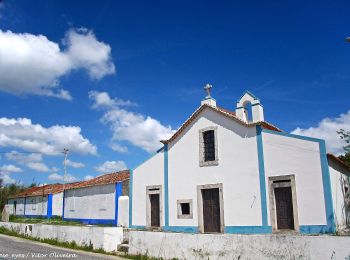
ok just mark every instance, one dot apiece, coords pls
pixel 65 152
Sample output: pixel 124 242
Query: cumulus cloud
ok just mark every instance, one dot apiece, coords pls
pixel 111 166
pixel 22 133
pixel 38 166
pixel 142 131
pixel 32 64
pixel 118 148
pixel 88 177
pixel 74 164
pixel 327 129
pixel 10 168
pixel 58 177
pixel 6 179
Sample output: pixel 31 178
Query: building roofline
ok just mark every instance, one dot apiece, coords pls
pixel 222 111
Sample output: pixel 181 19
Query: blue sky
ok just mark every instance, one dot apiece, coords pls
pixel 109 78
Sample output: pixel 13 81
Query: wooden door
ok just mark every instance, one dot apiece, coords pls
pixel 284 208
pixel 211 210
pixel 155 210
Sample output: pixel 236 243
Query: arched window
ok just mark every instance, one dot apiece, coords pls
pixel 248 111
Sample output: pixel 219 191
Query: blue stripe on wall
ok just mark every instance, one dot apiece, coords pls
pixel 262 178
pixel 63 203
pixel 248 229
pixel 130 198
pixel 166 190
pixel 327 187
pixel 49 205
pixel 92 221
pixel 24 208
pixel 118 193
pixel 181 229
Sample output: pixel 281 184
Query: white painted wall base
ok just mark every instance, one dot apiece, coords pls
pixel 107 238
pixel 232 246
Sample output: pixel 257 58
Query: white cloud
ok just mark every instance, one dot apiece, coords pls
pixel 58 177
pixel 22 133
pixel 111 166
pixel 41 62
pixel 142 131
pixel 10 168
pixel 6 179
pixel 22 158
pixel 75 164
pixel 327 129
pixel 119 148
pixel 88 177
pixel 38 166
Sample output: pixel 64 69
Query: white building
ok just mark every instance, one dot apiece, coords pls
pixel 97 201
pixel 233 172
pixel 44 201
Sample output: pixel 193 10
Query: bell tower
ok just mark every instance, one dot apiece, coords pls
pixel 249 109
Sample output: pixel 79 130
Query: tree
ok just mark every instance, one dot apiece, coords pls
pixel 345 135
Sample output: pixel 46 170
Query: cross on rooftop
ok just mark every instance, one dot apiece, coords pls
pixel 207 88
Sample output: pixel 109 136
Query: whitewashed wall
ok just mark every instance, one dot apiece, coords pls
pixel 290 156
pixel 95 202
pixel 337 179
pixel 166 245
pixel 36 206
pixel 123 211
pixel 57 204
pixel 151 172
pixel 11 208
pixel 19 207
pixel 237 171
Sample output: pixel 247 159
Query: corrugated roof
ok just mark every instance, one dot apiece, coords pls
pixel 222 111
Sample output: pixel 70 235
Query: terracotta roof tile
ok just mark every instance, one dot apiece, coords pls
pixel 339 161
pixel 57 188
pixel 102 180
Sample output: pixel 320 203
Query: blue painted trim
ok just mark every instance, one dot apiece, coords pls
pixel 250 93
pixel 138 227
pixel 327 192
pixel 166 187
pixel 240 107
pixel 248 229
pixel 160 149
pixel 63 197
pixel 315 229
pixel 327 189
pixel 262 178
pixel 49 205
pixel 92 221
pixel 130 197
pixel 181 229
pixel 24 208
pixel 306 138
pixel 118 193
pixel 257 104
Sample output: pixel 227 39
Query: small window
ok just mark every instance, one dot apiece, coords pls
pixel 33 204
pixel 208 146
pixel 184 209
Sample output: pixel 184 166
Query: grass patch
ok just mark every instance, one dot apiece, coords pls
pixel 43 220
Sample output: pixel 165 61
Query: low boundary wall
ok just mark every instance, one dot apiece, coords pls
pixel 107 238
pixel 231 246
